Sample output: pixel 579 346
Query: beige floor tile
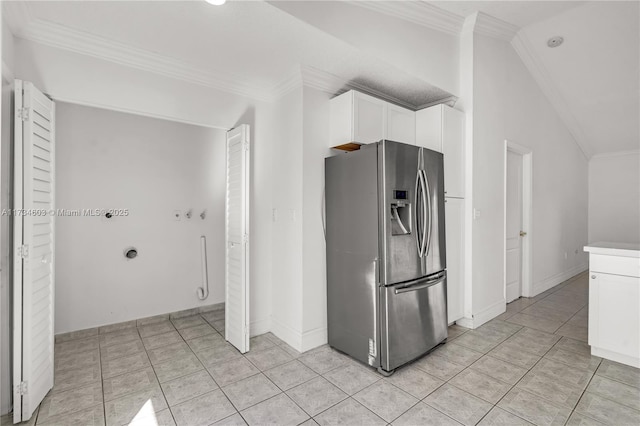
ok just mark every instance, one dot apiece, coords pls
pixel 197 331
pixel 75 346
pixel 458 354
pixel 93 416
pixel 498 416
pixel 233 420
pixel 294 373
pixel 118 366
pixel 480 385
pixel 551 389
pixel 385 400
pixel 70 379
pixel 75 335
pixel 615 391
pixel 620 372
pixel 188 387
pixel 159 340
pixel 578 419
pixel 458 404
pixel 563 372
pixel 259 343
pixel 438 367
pixel 177 367
pixel 152 320
pixel 165 353
pixel 216 354
pixel 607 411
pixel 573 359
pixel 155 328
pixel 268 358
pixel 141 404
pixel 455 331
pixel 476 341
pixel 279 410
pixel 349 412
pixel 323 359
pixel 574 331
pixel 512 354
pixel 250 391
pixel 77 360
pixel 534 409
pixel 122 349
pixel 413 381
pixel 498 369
pixel 188 322
pixel 208 341
pixel 423 415
pixel 127 325
pixel 233 370
pixel 538 323
pixel 118 337
pixel 66 402
pixel 118 386
pixel 203 410
pixel 160 418
pixel 552 314
pixel 316 395
pixel 573 345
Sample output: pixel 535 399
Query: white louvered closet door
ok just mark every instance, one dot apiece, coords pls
pixel 33 195
pixel 237 239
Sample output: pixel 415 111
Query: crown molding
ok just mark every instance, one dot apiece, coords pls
pixel 62 37
pixel 616 154
pixel 541 75
pixel 489 26
pixel 418 12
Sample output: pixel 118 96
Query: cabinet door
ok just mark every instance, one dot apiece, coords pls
pixel 368 118
pixel 454 223
pixel 453 150
pixel 614 313
pixel 429 128
pixel 401 124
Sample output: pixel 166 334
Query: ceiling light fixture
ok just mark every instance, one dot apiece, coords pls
pixel 216 2
pixel 555 41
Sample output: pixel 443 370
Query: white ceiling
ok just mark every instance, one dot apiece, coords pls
pixel 251 43
pixel 596 72
pixel 518 13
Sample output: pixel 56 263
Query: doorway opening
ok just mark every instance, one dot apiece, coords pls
pixel 518 184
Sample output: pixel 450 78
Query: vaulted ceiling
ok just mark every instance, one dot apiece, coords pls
pixel 591 80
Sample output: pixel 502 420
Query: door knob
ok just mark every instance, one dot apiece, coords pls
pixel 522 233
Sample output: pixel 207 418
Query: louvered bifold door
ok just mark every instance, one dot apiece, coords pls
pixel 237 239
pixel 33 285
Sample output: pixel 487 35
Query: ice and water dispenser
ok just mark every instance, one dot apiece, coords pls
pixel 400 213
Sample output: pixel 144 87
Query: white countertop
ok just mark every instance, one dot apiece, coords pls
pixel 614 249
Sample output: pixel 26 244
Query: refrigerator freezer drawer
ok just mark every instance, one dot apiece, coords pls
pixel 414 320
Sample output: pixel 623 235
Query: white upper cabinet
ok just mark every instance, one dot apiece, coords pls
pixel 356 117
pixel 401 124
pixel 441 128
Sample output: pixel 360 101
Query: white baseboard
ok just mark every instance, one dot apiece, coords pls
pixel 615 356
pixel 287 334
pixel 260 326
pixel 484 315
pixel 554 280
pixel 314 338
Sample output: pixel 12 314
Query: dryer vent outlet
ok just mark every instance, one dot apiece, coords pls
pixel 131 253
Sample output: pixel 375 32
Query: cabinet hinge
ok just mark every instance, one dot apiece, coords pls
pixel 246 145
pixel 23 251
pixel 23 114
pixel 21 388
pixel 245 238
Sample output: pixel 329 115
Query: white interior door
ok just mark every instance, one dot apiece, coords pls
pixel 237 238
pixel 514 227
pixel 33 284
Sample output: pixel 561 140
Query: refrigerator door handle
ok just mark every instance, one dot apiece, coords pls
pixel 420 284
pixel 425 252
pixel 419 192
pixel 426 210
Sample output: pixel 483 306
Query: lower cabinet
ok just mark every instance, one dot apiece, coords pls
pixel 454 222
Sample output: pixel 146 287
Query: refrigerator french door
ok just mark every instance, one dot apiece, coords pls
pixel 386 265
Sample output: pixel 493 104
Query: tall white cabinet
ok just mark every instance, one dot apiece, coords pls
pixel 441 128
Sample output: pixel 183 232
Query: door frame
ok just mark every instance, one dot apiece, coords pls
pixel 527 216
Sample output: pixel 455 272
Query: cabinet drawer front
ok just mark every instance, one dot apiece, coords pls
pixel 628 266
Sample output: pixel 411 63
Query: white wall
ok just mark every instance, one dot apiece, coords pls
pixel 287 171
pixel 507 104
pixel 614 198
pixel 315 149
pixel 152 167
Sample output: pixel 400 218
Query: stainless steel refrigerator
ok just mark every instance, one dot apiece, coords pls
pixel 386 266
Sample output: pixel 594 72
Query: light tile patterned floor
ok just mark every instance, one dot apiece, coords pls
pixel 530 365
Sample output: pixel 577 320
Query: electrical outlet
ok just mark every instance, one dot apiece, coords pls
pixel 177 215
pixel 476 214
